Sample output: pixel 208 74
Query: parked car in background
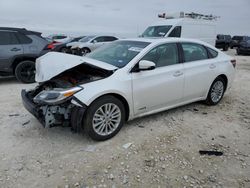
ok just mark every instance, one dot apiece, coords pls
pixel 59 46
pixel 90 43
pixel 59 38
pixel 124 80
pixel 19 49
pixel 184 25
pixel 62 47
pixel 73 43
pixel 223 41
pixel 244 47
pixel 236 41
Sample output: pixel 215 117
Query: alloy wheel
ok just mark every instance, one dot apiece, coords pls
pixel 28 72
pixel 106 119
pixel 217 91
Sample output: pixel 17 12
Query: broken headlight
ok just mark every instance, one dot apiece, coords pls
pixel 55 95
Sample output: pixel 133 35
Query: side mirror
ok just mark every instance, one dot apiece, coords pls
pixel 146 65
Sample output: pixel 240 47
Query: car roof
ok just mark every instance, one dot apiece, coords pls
pixel 164 39
pixel 21 30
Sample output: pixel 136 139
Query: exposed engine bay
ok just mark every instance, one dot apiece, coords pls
pixel 53 100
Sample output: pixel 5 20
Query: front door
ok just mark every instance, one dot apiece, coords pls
pixel 161 87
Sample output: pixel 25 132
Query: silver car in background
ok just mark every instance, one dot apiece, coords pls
pixel 90 43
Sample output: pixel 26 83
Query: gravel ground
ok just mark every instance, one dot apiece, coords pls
pixel 160 150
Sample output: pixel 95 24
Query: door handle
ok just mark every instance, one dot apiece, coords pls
pixel 212 66
pixel 178 73
pixel 15 49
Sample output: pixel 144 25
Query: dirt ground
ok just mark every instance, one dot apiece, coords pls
pixel 162 150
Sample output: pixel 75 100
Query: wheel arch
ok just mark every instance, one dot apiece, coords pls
pixel 121 98
pixel 85 47
pixel 19 59
pixel 224 77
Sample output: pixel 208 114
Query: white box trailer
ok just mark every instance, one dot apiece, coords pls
pixel 185 25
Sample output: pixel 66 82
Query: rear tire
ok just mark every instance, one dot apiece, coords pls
pixel 104 118
pixel 216 91
pixel 25 71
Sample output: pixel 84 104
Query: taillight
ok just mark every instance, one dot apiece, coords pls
pixel 233 61
pixel 51 45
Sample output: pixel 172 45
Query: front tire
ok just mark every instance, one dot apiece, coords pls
pixel 85 51
pixel 25 72
pixel 216 91
pixel 238 52
pixel 225 48
pixel 64 50
pixel 104 118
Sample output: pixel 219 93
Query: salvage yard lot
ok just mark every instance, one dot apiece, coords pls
pixel 164 150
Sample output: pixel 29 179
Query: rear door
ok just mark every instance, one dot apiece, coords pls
pixel 199 71
pixel 161 87
pixel 9 48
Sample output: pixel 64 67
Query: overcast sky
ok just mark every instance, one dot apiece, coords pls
pixel 124 18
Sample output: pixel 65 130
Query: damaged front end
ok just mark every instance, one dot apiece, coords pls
pixel 53 103
pixel 52 106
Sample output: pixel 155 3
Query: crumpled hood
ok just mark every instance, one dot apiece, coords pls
pixel 54 63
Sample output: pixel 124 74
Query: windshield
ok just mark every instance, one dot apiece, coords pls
pixel 77 39
pixel 118 53
pixel 86 39
pixel 156 31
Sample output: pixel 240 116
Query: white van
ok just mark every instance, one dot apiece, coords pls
pixel 185 25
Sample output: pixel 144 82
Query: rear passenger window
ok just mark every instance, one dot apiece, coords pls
pixel 163 55
pixel 99 39
pixel 194 52
pixel 212 53
pixel 109 39
pixel 23 39
pixel 176 32
pixel 8 38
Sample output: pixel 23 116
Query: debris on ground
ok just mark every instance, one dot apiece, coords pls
pixel 141 126
pixel 26 123
pixel 14 115
pixel 195 109
pixel 127 145
pixel 207 152
pixel 89 148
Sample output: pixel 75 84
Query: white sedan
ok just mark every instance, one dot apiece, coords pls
pixel 90 43
pixel 124 80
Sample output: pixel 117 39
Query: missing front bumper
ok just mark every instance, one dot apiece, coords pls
pixel 54 115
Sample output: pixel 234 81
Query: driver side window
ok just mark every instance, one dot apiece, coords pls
pixel 163 55
pixel 98 39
